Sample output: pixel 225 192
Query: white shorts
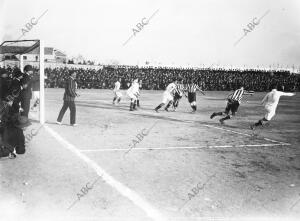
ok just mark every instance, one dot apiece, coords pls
pixel 167 97
pixel 131 96
pixel 36 95
pixel 118 94
pixel 271 111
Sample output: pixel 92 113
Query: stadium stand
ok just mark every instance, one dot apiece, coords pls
pixel 158 78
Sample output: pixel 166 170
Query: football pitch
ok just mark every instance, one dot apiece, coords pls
pixel 142 165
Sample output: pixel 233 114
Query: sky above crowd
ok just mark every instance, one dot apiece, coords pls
pixel 219 33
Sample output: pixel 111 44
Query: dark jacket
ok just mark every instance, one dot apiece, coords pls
pixel 26 84
pixel 70 90
pixel 4 85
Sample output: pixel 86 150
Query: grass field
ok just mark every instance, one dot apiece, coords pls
pixel 187 167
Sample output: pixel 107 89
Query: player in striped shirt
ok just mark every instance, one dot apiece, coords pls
pixel 233 103
pixel 179 91
pixel 191 88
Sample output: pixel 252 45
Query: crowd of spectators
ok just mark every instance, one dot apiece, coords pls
pixel 159 78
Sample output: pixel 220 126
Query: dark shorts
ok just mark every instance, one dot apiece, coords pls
pixel 177 96
pixel 232 106
pixel 191 97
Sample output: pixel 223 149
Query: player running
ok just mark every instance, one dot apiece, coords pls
pixel 233 103
pixel 133 93
pixel 168 96
pixel 117 91
pixel 191 89
pixel 179 91
pixel 270 102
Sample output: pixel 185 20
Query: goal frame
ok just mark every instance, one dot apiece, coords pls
pixel 41 71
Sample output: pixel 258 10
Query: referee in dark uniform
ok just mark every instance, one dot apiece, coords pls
pixel 233 103
pixel 69 100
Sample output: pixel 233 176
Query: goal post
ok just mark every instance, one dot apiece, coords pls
pixel 20 53
pixel 42 83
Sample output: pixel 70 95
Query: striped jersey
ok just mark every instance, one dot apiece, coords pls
pixel 237 95
pixel 179 89
pixel 192 88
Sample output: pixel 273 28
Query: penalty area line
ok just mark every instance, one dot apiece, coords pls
pixel 121 188
pixel 177 148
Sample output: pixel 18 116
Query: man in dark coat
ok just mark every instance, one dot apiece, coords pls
pixel 69 100
pixel 4 85
pixel 26 93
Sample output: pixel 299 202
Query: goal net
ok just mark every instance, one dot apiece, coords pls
pixel 18 54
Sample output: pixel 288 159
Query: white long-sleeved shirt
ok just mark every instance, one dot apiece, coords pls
pixel 272 98
pixel 170 88
pixel 117 86
pixel 134 89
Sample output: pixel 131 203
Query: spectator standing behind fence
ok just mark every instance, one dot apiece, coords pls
pixel 69 100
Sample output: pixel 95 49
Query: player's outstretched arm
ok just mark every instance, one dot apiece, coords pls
pixel 249 93
pixel 199 89
pixel 287 94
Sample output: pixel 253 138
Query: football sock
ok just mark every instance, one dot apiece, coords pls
pixel 114 99
pixel 131 105
pixel 258 123
pixel 159 106
pixel 226 118
pixel 138 103
pixel 169 104
pixel 119 100
pixel 261 122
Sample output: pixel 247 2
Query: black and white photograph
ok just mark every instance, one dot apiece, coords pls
pixel 144 110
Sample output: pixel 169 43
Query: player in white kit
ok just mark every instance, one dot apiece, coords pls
pixel 117 91
pixel 133 93
pixel 270 102
pixel 168 96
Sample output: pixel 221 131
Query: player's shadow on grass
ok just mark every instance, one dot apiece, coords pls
pixel 54 123
pixel 103 106
pixel 121 107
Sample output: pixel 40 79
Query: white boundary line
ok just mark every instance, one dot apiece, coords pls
pixel 176 148
pixel 248 135
pixel 232 131
pixel 122 189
